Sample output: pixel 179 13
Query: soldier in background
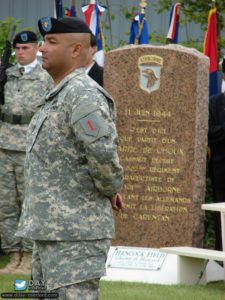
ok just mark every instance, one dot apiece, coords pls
pixel 26 84
pixel 72 169
pixel 1 251
pixel 92 68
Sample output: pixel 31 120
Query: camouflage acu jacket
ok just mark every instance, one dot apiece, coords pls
pixel 72 164
pixel 22 95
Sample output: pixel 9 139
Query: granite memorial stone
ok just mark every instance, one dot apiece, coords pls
pixel 161 93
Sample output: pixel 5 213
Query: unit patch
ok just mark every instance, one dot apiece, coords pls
pixel 90 125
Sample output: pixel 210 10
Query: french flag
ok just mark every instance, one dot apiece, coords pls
pixel 210 49
pixel 174 24
pixel 71 12
pixel 92 14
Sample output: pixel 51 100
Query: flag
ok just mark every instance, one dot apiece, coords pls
pixel 92 14
pixel 210 49
pixel 139 30
pixel 174 24
pixel 71 12
pixel 59 8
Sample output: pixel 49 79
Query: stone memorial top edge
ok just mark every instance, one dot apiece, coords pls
pixel 170 47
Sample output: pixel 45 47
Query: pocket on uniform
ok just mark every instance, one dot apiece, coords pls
pixel 33 136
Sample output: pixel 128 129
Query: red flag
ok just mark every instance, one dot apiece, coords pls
pixel 210 49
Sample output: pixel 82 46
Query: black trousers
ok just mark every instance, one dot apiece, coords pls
pixel 219 196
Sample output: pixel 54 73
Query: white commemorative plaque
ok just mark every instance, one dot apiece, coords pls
pixel 136 258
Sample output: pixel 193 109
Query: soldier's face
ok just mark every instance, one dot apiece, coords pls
pixel 26 53
pixel 56 53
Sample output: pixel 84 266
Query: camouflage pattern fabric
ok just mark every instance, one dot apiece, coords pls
pixel 88 290
pixel 62 264
pixel 11 198
pixel 72 166
pixel 22 95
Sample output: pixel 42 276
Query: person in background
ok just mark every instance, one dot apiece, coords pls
pixel 92 68
pixel 72 168
pixel 221 78
pixel 216 142
pixel 26 84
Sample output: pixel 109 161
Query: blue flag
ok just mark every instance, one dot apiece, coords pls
pixel 71 12
pixel 139 30
pixel 59 9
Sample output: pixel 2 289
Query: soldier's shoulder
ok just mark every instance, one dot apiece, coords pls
pixel 85 95
pixel 42 73
pixel 12 70
pixel 38 68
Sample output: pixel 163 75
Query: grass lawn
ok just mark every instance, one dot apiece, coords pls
pixel 136 291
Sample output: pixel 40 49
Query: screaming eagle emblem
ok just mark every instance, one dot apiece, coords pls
pixel 150 69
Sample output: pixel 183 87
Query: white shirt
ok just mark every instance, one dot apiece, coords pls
pixel 28 67
pixel 223 86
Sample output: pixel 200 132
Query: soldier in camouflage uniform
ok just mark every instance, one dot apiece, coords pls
pixel 72 169
pixel 22 94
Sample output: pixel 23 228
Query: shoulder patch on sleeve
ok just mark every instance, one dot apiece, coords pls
pixel 91 125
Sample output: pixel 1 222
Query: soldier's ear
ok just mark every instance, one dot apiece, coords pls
pixel 76 50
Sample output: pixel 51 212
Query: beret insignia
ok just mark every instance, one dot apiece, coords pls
pixel 24 37
pixel 49 25
pixel 46 24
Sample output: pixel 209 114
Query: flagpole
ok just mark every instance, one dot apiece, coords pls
pixel 57 8
pixel 213 3
pixel 74 6
pixel 178 11
pixel 143 5
pixel 110 23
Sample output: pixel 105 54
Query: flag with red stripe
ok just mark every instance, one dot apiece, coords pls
pixel 71 12
pixel 92 14
pixel 210 49
pixel 174 24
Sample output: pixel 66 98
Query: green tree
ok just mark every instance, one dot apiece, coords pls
pixel 6 27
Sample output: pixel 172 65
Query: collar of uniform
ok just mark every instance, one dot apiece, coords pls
pixel 33 74
pixel 29 67
pixel 60 86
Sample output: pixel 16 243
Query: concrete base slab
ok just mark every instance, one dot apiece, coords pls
pixel 168 274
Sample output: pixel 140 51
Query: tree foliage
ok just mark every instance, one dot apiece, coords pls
pixel 6 26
